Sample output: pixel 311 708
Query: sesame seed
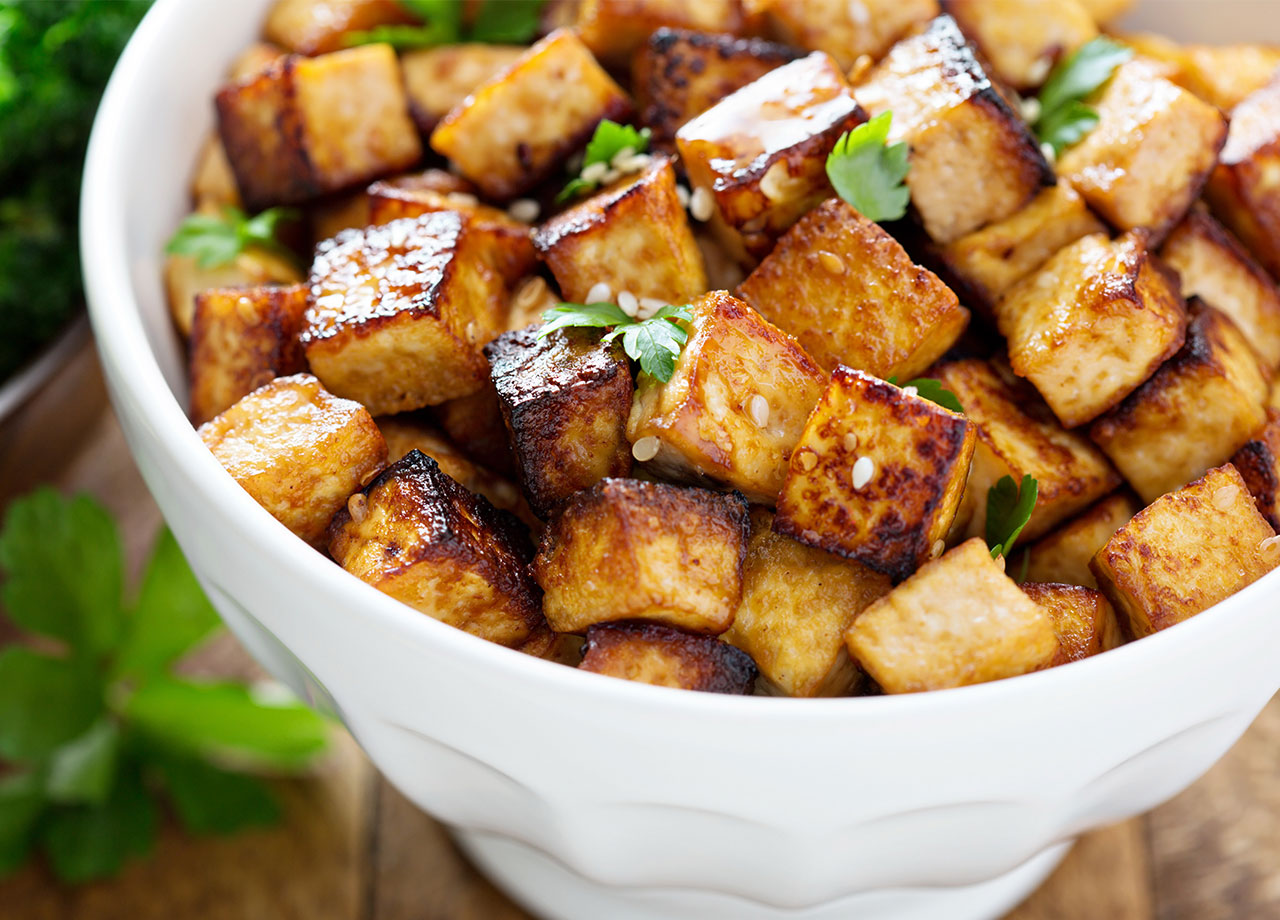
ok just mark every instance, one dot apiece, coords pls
pixel 464 199
pixel 628 303
pixel 850 441
pixel 525 210
pixel 808 459
pixel 1270 546
pixel 863 470
pixel 600 293
pixel 472 330
pixel 650 306
pixel 682 196
pixel 999 561
pixel 610 176
pixel 638 163
pixel 910 391
pixel 595 172
pixel 831 262
pixel 938 547
pixel 646 448
pixel 1030 110
pixel 1039 71
pixel 358 507
pixel 530 292
pixel 1046 150
pixel 622 156
pixel 1225 497
pixel 369 477
pixel 774 184
pixel 758 410
pixel 701 204
pixel 860 67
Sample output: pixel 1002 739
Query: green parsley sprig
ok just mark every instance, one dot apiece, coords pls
pixel 654 343
pixel 215 240
pixel 503 22
pixel 609 140
pixel 869 172
pixel 1009 507
pixel 95 721
pixel 1064 119
pixel 932 390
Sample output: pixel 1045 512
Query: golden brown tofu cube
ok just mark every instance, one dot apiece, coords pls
pixel 298 450
pixel 679 74
pixel 973 159
pixel 1150 154
pixel 1243 190
pixel 1023 39
pixel 1083 619
pixel 1224 75
pixel 475 424
pixel 1198 409
pixel 877 476
pixel 319 26
pixel 1063 556
pixel 1093 323
pixel 439 79
pixel 213 186
pixel 654 654
pixel 565 400
pixel 851 295
pixel 761 152
pixel 958 621
pixel 797 603
pixel 1215 267
pixel 1259 463
pixel 400 311
pixel 515 130
pixel 254 60
pixel 305 127
pixel 1018 436
pixel 845 30
pixel 240 340
pixel 734 407
pixel 615 29
pixel 1185 552
pixel 254 267
pixel 631 550
pixel 421 538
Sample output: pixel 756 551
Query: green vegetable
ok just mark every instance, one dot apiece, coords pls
pixel 1064 118
pixel 511 22
pixel 218 240
pixel 609 140
pixel 55 57
pixel 1009 507
pixel 95 721
pixel 934 391
pixel 654 342
pixel 869 173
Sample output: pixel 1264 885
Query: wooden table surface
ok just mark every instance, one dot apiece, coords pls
pixel 352 848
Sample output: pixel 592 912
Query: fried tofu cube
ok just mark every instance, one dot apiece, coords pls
pixel 1063 556
pixel 1198 409
pixel 475 424
pixel 298 450
pixel 973 159
pixel 634 236
pixel 651 653
pixel 761 152
pixel 1275 394
pixel 515 130
pixel 1023 39
pixel 1185 552
pixel 679 74
pixel 1018 436
pixel 1243 190
pixel 184 278
pixel 420 537
pixel 565 400
pixel 1225 75
pixel 797 603
pixel 851 295
pixel 306 127
pixel 1150 154
pixel 319 26
pixel 440 79
pixel 1215 267
pixel 213 186
pixel 1083 619
pixel 1259 463
pixel 400 311
pixel 734 407
pixel 631 550
pixel 845 30
pixel 877 476
pixel 1093 323
pixel 616 29
pixel 344 211
pixel 960 620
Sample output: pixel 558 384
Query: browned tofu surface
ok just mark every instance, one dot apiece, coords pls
pixel 331 215
pixel 877 475
pixel 298 450
pixel 1224 75
pixel 319 26
pixel 254 267
pixel 475 424
pixel 616 29
pixel 305 127
pixel 422 538
pixel 634 236
pixel 1259 463
pixel 1151 152
pixel 1185 552
pixel 845 30
pixel 1063 556
pixel 973 159
pixel 761 152
pixel 651 653
pixel 958 621
pixel 1023 39
pixel 797 603
pixel 851 295
pixel 734 407
pixel 240 340
pixel 631 550
pixel 213 184
pixel 1083 619
pixel 439 79
pixel 1198 409
pixel 400 311
pixel 1243 190
pixel 1093 323
pixel 565 400
pixel 515 130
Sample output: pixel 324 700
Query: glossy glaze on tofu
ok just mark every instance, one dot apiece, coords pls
pixel 666 657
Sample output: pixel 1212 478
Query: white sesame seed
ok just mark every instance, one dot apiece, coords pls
pixel 808 459
pixel 758 410
pixel 1224 497
pixel 863 470
pixel 651 305
pixel 529 292
pixel 525 210
pixel 1270 546
pixel 701 204
pixel 1000 562
pixel 831 262
pixel 358 507
pixel 938 547
pixel 1039 70
pixel 369 477
pixel 600 293
pixel 634 164
pixel 1030 110
pixel 682 196
pixel 1046 150
pixel 646 448
pixel 628 303
pixel 622 156
pixel 910 391
pixel 777 183
pixel 463 199
pixel 595 172
pixel 850 441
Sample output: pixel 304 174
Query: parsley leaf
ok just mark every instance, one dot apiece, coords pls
pixel 609 140
pixel 44 702
pixel 209 800
pixel 654 343
pixel 1009 508
pixel 21 804
pixel 591 315
pixel 511 22
pixel 869 173
pixel 507 22
pixel 216 241
pixel 84 769
pixel 85 842
pixel 934 391
pixel 1064 118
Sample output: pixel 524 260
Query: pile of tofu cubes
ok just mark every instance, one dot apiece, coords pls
pixel 784 514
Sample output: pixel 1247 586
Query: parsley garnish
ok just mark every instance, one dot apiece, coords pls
pixel 1064 118
pixel 654 342
pixel 95 722
pixel 218 240
pixel 868 172
pixel 609 140
pixel 934 391
pixel 512 22
pixel 1009 508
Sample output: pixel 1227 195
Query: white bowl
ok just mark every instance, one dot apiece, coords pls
pixel 588 797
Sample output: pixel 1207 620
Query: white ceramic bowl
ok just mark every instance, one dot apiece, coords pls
pixel 589 797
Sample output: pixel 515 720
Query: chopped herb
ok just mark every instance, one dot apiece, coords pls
pixel 1064 118
pixel 218 240
pixel 441 23
pixel 869 173
pixel 654 343
pixel 609 140
pixel 934 391
pixel 1009 508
